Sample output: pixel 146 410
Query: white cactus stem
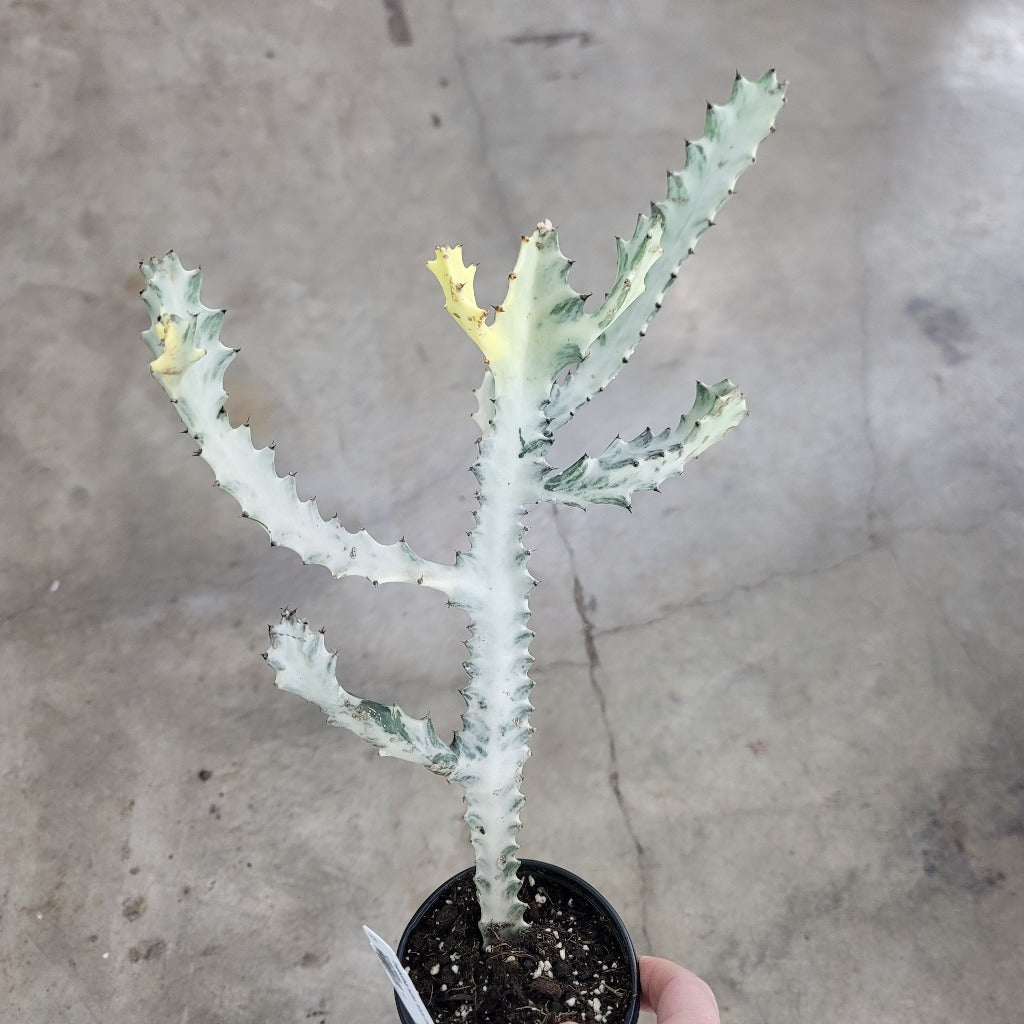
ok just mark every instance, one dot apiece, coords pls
pixel 647 461
pixel 714 163
pixel 305 667
pixel 540 330
pixel 190 364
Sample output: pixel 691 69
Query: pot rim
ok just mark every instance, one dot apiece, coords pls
pixel 567 878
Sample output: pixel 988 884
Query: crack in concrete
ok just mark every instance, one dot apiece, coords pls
pixel 727 595
pixel 593 666
pixel 872 512
pixel 499 198
pixel 885 545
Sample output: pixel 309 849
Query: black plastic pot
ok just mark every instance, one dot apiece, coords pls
pixel 580 889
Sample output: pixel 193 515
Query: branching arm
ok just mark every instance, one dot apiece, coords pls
pixel 305 667
pixel 714 163
pixel 190 364
pixel 647 461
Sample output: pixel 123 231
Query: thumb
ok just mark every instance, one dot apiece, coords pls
pixel 677 995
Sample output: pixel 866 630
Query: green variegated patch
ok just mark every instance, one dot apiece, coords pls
pixel 647 461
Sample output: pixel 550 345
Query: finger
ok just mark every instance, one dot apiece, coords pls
pixel 675 994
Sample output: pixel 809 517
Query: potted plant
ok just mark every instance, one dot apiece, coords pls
pixel 496 933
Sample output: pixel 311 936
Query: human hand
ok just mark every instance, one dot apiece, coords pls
pixel 675 994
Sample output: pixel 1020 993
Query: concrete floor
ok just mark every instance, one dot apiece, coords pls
pixel 784 696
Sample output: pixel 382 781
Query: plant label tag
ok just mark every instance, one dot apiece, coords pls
pixel 399 979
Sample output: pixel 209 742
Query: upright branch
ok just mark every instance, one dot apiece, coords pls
pixel 539 330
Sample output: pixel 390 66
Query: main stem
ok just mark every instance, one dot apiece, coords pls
pixel 493 746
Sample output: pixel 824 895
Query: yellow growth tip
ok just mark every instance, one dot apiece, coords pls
pixel 456 280
pixel 176 357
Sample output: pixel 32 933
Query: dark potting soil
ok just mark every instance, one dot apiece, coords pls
pixel 566 967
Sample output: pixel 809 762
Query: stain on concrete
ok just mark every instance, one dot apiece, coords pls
pixel 973 836
pixel 549 39
pixel 150 949
pixel 133 907
pixel 79 497
pixel 398 24
pixel 945 326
